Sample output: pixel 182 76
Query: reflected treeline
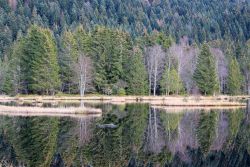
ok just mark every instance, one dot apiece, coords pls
pixel 143 136
pixel 32 140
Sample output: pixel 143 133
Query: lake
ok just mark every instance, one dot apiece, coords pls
pixel 139 136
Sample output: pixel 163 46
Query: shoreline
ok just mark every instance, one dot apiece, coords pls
pixel 175 109
pixel 175 101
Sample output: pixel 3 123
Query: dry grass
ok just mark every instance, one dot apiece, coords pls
pixel 221 100
pixel 175 109
pixel 23 114
pixel 168 103
pixel 49 111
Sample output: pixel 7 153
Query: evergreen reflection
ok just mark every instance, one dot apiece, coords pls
pixel 144 136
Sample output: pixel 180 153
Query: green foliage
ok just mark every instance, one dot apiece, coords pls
pixel 39 62
pixel 136 17
pixel 111 28
pixel 157 38
pixel 68 142
pixel 32 141
pixel 75 44
pixel 35 143
pixel 113 147
pixel 235 118
pixel 234 78
pixel 3 77
pixel 206 130
pixel 82 41
pixel 205 73
pixel 171 82
pixel 67 57
pixel 13 75
pixel 109 49
pixel 137 75
pixel 171 121
pixel 121 92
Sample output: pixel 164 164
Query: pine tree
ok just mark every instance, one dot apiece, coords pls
pixel 242 54
pixel 66 60
pixel 110 49
pixel 52 81
pixel 99 53
pixel 83 40
pixel 12 84
pixel 3 77
pixel 114 60
pixel 234 78
pixel 39 62
pixel 205 73
pixel 137 75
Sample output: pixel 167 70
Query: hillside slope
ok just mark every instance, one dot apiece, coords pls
pixel 199 19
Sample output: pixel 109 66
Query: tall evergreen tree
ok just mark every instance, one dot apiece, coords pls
pixel 243 56
pixel 12 84
pixel 39 61
pixel 83 40
pixel 67 57
pixel 205 73
pixel 100 56
pixel 110 49
pixel 3 77
pixel 234 78
pixel 137 75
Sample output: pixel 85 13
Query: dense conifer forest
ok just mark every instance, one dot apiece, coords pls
pixel 125 47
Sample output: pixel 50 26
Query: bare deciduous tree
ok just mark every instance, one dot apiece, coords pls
pixel 12 4
pixel 222 67
pixel 155 61
pixel 83 69
pixel 184 57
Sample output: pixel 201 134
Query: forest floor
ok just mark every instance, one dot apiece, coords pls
pixel 177 101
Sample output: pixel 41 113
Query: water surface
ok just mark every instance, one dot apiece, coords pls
pixel 144 136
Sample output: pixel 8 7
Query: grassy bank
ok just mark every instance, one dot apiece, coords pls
pixel 153 100
pixel 40 111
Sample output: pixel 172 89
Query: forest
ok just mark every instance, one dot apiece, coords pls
pixel 132 47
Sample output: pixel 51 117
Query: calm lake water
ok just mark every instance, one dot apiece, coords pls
pixel 141 136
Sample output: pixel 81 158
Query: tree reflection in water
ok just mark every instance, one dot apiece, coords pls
pixel 144 136
pixel 155 135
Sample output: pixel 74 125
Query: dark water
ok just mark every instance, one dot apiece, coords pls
pixel 143 137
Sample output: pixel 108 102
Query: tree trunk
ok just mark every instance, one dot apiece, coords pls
pixel 155 76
